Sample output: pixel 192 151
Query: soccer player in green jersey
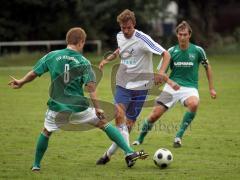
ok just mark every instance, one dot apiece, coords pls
pixel 184 65
pixel 70 71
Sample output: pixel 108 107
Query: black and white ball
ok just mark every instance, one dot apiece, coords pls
pixel 163 158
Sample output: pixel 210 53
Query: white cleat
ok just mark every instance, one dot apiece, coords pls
pixel 136 143
pixel 35 169
pixel 177 142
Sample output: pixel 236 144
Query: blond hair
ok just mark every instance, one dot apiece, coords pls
pixel 125 16
pixel 75 35
pixel 184 25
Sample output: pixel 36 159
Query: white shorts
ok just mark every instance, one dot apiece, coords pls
pixel 169 97
pixel 84 120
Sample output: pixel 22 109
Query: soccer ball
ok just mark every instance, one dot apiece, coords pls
pixel 162 158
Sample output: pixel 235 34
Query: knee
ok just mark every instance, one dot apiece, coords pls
pixel 156 114
pixel 101 124
pixel 119 117
pixel 193 105
pixel 46 132
pixel 130 124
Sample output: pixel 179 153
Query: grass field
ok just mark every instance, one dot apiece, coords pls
pixel 210 147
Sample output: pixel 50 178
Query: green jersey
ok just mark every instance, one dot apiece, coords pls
pixel 69 71
pixel 184 64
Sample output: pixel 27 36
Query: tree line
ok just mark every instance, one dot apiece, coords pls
pixel 22 20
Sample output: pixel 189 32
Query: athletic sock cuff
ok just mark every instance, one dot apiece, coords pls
pixel 106 126
pixel 147 126
pixel 191 114
pixel 43 135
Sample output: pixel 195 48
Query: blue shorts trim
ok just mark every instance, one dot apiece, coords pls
pixel 133 101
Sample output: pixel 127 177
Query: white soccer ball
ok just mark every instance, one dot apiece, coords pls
pixel 162 158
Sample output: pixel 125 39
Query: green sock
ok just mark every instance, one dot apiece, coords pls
pixel 117 137
pixel 187 119
pixel 147 126
pixel 42 145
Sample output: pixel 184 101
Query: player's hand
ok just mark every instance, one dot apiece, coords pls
pixel 213 93
pixel 173 84
pixel 15 83
pixel 102 63
pixel 100 113
pixel 158 79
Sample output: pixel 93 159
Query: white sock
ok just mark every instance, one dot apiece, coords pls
pixel 124 131
pixel 112 149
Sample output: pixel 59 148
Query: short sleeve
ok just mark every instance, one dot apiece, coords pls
pixel 148 44
pixel 202 55
pixel 41 66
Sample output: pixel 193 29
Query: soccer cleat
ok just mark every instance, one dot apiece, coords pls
pixel 177 142
pixel 103 160
pixel 35 169
pixel 131 159
pixel 136 143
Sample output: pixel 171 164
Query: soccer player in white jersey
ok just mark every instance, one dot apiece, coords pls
pixel 134 75
pixel 70 71
pixel 184 65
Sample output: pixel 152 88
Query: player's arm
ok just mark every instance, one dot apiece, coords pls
pixel 208 69
pixel 156 48
pixel 18 83
pixel 162 68
pixel 108 58
pixel 91 88
pixel 164 78
pixel 164 64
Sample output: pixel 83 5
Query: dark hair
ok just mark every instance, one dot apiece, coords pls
pixel 184 25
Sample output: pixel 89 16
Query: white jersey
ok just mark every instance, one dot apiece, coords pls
pixel 136 68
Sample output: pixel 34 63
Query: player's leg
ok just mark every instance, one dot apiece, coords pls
pixel 116 137
pixel 89 117
pixel 114 134
pixel 121 121
pixel 191 103
pixel 41 147
pixel 148 123
pixel 122 99
pixel 130 124
pixel 42 143
pixel 114 147
pixel 130 106
pixel 165 100
pixel 135 107
pixel 132 103
pixel 122 128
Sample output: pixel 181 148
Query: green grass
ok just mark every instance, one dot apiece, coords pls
pixel 210 147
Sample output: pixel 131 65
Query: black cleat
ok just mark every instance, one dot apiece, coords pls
pixel 131 159
pixel 103 160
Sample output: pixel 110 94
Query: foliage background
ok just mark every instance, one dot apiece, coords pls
pixel 215 23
